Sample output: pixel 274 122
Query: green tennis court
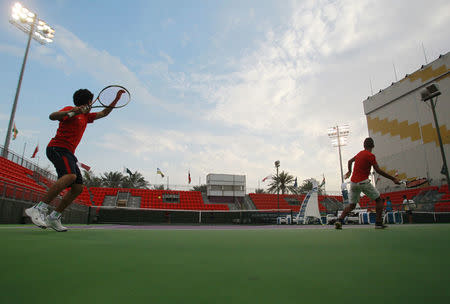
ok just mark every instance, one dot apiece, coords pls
pixel 403 264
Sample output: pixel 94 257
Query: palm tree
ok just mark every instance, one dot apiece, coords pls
pixel 307 186
pixel 158 187
pixel 135 180
pixel 90 180
pixel 112 179
pixel 201 188
pixel 259 190
pixel 284 182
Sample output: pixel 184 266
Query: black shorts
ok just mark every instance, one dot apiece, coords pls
pixel 65 162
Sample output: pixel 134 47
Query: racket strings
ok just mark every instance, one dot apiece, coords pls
pixel 114 93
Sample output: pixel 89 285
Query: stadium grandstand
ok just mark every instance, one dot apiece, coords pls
pixel 23 182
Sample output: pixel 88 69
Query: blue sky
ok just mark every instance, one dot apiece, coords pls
pixel 217 86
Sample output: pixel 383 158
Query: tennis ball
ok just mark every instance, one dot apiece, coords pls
pixel 159 196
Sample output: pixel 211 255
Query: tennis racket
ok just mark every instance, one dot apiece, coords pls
pixel 414 183
pixel 110 94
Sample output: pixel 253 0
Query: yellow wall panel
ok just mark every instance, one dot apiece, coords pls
pixel 394 128
pixel 427 73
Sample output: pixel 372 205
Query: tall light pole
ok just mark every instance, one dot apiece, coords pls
pixel 426 94
pixel 338 135
pixel 39 30
pixel 277 165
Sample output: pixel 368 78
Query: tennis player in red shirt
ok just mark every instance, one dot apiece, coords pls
pixel 360 182
pixel 60 151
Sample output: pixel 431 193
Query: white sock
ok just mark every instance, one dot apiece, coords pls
pixel 42 205
pixel 55 214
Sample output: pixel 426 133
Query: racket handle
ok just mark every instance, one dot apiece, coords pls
pixel 71 114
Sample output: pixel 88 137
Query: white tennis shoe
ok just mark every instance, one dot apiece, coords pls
pixel 37 216
pixel 55 223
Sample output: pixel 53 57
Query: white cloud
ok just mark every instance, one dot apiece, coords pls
pixel 166 57
pixel 103 66
pixel 203 151
pixel 313 72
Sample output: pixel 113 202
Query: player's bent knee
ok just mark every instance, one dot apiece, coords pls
pixel 71 177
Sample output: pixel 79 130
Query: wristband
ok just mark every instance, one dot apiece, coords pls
pixel 71 114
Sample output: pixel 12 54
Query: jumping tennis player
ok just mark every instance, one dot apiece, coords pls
pixel 360 182
pixel 60 151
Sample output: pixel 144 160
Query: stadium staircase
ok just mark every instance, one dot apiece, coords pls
pixel 248 203
pixel 331 203
pixel 122 198
pixel 233 203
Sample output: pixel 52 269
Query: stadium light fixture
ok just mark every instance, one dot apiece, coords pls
pixel 277 165
pixel 338 136
pixel 431 91
pixel 28 22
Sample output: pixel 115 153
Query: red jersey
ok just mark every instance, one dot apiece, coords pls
pixel 364 161
pixel 71 129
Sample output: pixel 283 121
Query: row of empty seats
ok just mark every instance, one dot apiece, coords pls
pixel 15 174
pixel 154 199
pixel 264 201
pixel 444 203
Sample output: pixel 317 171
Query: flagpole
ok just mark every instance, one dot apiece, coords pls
pixel 23 153
pixel 324 189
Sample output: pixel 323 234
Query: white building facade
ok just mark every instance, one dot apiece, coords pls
pixel 225 185
pixel 403 127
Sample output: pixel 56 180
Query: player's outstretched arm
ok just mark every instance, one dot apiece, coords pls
pixel 105 112
pixel 382 173
pixel 350 163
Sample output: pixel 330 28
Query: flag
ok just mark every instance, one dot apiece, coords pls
pixel 323 181
pixel 35 151
pixel 84 166
pixel 265 178
pixel 158 171
pixel 189 177
pixel 128 171
pixel 15 131
pixel 295 183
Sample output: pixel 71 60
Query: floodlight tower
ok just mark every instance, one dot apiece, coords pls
pixel 26 21
pixel 428 94
pixel 338 135
pixel 277 165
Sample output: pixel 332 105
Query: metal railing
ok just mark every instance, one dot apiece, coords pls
pixel 22 193
pixel 22 161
